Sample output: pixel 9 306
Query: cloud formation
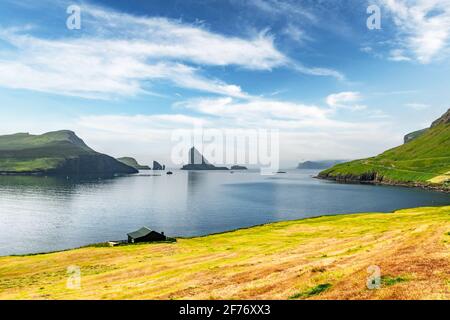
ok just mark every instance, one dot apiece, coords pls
pixel 345 100
pixel 305 130
pixel 423 28
pixel 124 55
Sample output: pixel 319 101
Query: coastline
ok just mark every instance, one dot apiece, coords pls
pixel 352 180
pixel 244 263
pixel 225 232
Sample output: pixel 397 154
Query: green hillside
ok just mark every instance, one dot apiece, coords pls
pixel 423 161
pixel 133 163
pixel 60 152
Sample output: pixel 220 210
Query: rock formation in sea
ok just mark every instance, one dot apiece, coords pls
pixel 158 166
pixel 197 161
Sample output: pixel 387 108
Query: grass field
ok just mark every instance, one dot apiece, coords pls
pixel 424 161
pixel 319 258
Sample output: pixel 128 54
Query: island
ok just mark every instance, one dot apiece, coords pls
pixel 129 161
pixel 236 167
pixel 55 153
pixel 422 161
pixel 323 164
pixel 158 166
pixel 198 162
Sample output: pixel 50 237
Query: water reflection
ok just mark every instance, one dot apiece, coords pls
pixel 47 213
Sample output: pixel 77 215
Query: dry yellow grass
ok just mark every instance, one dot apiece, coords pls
pixel 441 179
pixel 320 258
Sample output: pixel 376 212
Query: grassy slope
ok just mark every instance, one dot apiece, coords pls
pixel 133 163
pixel 316 258
pixel 420 160
pixel 25 153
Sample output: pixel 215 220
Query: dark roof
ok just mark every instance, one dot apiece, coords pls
pixel 142 232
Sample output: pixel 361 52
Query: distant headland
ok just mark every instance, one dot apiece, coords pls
pixel 55 153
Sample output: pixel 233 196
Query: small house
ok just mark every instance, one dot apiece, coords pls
pixel 144 234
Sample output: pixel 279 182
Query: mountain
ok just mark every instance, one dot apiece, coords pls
pixel 158 166
pixel 198 162
pixel 423 161
pixel 318 164
pixel 131 162
pixel 59 152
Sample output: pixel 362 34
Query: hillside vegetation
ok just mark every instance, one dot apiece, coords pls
pixel 60 152
pixel 131 162
pixel 423 161
pixel 318 258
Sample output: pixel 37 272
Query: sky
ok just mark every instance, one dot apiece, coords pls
pixel 136 71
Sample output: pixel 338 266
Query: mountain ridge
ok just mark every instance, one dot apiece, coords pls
pixel 56 152
pixel 132 162
pixel 422 162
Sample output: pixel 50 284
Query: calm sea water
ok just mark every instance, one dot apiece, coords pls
pixel 40 214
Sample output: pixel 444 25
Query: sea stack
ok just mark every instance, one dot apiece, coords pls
pixel 158 166
pixel 197 161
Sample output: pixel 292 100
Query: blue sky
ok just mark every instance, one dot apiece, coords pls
pixel 137 70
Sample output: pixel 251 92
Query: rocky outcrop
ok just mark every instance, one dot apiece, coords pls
pixel 413 135
pixel 198 162
pixel 444 119
pixel 378 179
pixel 158 166
pixel 133 163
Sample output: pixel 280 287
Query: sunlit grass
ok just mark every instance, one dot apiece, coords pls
pixel 318 258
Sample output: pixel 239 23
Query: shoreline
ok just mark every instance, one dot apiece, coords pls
pixel 412 185
pixel 225 232
pixel 282 260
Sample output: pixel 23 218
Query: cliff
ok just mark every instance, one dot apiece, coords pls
pixel 422 162
pixel 59 153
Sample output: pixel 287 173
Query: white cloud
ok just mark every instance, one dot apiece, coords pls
pixel 398 55
pixel 124 55
pixel 319 71
pixel 345 100
pixel 295 33
pixel 172 39
pixel 269 113
pixel 366 49
pixel 256 111
pixel 424 28
pixel 91 67
pixel 283 8
pixel 305 130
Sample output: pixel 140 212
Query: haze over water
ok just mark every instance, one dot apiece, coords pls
pixel 40 214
